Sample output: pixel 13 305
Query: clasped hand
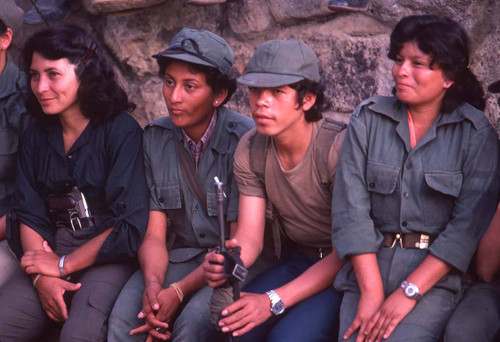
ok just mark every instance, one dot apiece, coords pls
pixel 159 305
pixel 44 262
pixel 377 318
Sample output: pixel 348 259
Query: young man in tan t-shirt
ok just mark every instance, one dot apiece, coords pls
pixel 294 301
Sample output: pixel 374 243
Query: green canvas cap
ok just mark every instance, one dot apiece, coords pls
pixel 200 47
pixel 11 15
pixel 281 62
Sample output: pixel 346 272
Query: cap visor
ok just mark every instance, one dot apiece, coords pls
pixel 186 57
pixel 265 80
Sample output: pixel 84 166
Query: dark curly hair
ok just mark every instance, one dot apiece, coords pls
pixel 303 87
pixel 448 45
pixel 215 79
pixel 100 96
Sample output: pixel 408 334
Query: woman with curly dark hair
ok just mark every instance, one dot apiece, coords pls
pixel 415 189
pixel 81 198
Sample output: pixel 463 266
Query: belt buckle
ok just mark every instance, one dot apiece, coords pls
pixel 397 238
pixel 74 220
pixel 321 253
pixel 423 243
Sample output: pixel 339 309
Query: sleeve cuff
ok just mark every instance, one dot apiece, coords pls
pixel 456 249
pixel 357 238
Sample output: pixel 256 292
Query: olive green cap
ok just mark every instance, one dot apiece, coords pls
pixel 200 47
pixel 276 63
pixel 11 15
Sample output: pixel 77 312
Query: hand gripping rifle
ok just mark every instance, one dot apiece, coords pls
pixel 234 270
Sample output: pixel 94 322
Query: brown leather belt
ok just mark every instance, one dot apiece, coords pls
pixel 408 240
pixel 313 252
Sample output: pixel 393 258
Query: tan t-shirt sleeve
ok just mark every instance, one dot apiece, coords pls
pixel 248 182
pixel 334 154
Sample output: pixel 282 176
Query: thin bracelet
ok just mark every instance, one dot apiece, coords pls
pixel 178 290
pixel 61 266
pixel 36 279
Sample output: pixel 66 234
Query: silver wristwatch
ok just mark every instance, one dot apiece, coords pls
pixel 411 290
pixel 277 306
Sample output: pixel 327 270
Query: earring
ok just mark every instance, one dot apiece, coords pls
pixel 216 102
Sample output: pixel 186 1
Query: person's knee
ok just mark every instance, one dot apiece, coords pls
pixel 193 323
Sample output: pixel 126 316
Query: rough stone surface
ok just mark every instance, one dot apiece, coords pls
pixel 351 47
pixel 286 11
pixel 107 6
pixel 249 17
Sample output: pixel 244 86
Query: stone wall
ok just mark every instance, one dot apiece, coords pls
pixel 351 47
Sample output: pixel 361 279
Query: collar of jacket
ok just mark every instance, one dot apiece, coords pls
pixel 393 108
pixel 218 142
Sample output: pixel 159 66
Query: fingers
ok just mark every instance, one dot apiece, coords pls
pixel 214 270
pixel 155 322
pixel 390 328
pixel 142 329
pixel 373 326
pixel 69 286
pixel 62 310
pixel 352 328
pixel 160 333
pixel 149 301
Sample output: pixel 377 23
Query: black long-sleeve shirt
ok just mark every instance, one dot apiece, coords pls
pixel 105 163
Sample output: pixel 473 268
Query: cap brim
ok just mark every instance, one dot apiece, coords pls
pixel 266 80
pixel 186 57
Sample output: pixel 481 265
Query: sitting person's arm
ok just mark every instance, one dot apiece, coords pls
pixel 3 227
pixel 253 309
pixel 487 256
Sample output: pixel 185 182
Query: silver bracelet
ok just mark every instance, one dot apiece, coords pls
pixel 61 266
pixel 36 280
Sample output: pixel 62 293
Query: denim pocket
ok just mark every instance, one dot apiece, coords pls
pixel 382 183
pixel 440 191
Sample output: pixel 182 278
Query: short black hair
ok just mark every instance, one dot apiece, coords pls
pixel 99 94
pixel 448 45
pixel 305 86
pixel 3 27
pixel 215 79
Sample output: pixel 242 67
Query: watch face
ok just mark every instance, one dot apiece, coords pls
pixel 410 291
pixel 278 308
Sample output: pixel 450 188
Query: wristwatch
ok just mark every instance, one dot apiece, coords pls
pixel 411 290
pixel 277 306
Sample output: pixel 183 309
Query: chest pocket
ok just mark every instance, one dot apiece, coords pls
pixel 441 189
pixel 212 204
pixel 382 183
pixel 8 148
pixel 168 196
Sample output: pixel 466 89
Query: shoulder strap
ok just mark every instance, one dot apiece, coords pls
pixel 326 136
pixel 259 145
pixel 190 175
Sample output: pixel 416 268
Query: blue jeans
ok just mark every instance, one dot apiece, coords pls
pixel 193 320
pixel 313 319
